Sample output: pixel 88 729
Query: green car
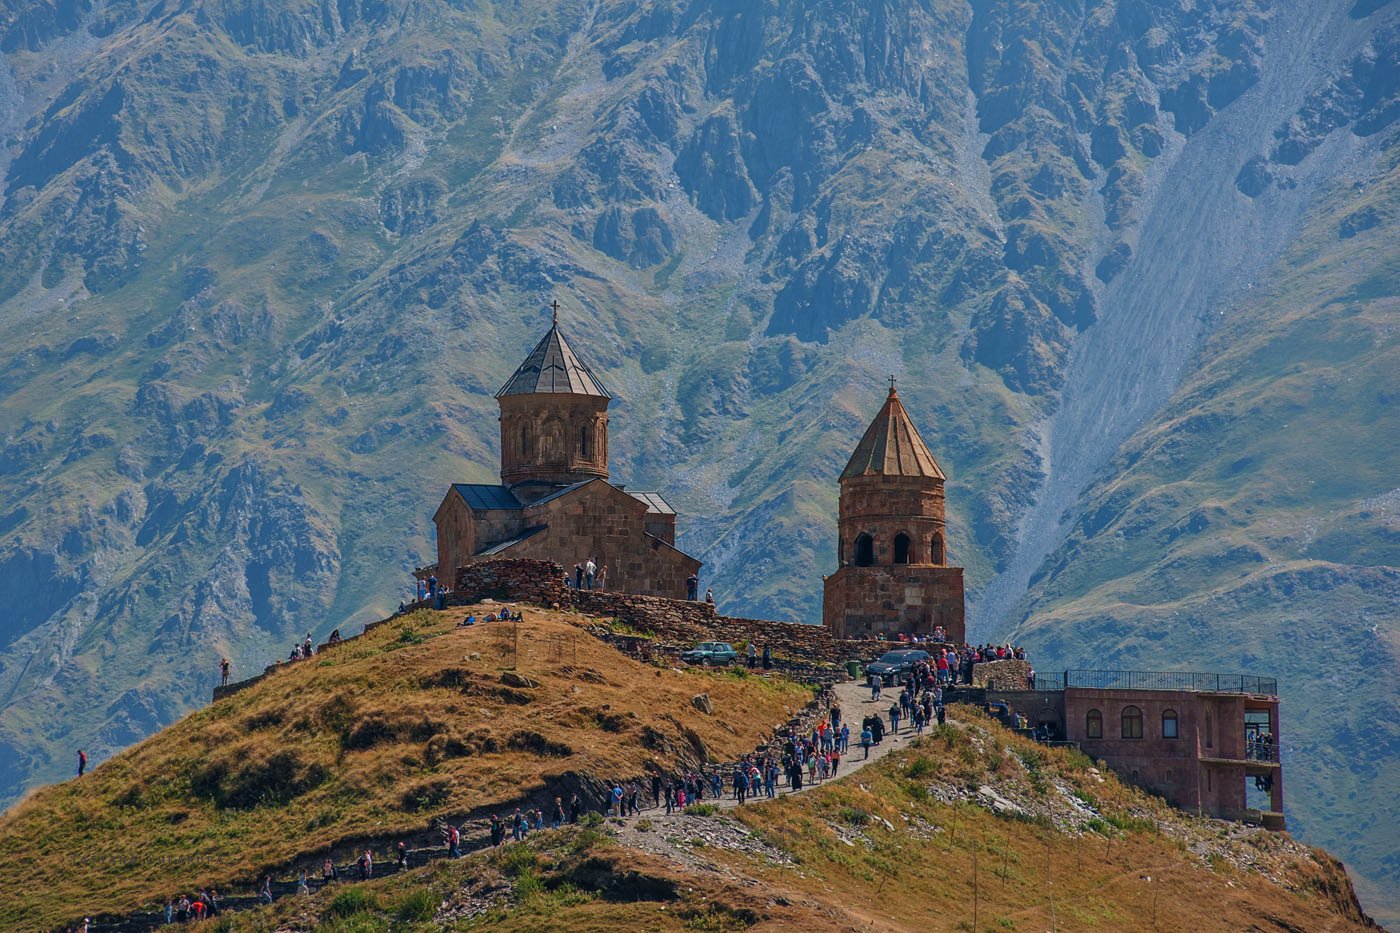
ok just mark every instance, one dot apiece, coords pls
pixel 710 652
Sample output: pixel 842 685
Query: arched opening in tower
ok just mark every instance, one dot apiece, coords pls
pixel 936 549
pixel 901 548
pixel 865 550
pixel 585 441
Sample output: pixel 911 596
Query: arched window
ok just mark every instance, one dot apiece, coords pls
pixel 1132 722
pixel 865 550
pixel 527 442
pixel 1169 724
pixel 935 549
pixel 585 441
pixel 901 548
pixel 1093 724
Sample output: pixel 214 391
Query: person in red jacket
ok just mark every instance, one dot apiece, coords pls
pixel 82 762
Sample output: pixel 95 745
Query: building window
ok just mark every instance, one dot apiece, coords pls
pixel 936 549
pixel 865 550
pixel 1210 732
pixel 585 441
pixel 1169 724
pixel 1093 725
pixel 527 443
pixel 1132 722
pixel 901 548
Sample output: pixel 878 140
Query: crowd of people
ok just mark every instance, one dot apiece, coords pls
pixel 950 666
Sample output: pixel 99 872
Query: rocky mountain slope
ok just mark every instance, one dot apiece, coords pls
pixel 262 264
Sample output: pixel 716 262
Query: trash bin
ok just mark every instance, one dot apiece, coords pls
pixel 853 668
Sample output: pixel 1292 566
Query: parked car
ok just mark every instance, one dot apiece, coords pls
pixel 895 666
pixel 710 652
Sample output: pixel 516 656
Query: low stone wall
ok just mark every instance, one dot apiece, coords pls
pixel 1001 675
pixel 534 581
pixel 673 623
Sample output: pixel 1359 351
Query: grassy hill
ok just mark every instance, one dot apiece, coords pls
pixel 263 264
pixel 909 843
pixel 373 739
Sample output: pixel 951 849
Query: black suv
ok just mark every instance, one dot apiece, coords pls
pixel 895 666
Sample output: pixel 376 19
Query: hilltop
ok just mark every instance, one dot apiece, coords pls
pixel 969 814
pixel 373 739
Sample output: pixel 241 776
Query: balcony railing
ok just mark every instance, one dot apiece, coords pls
pixel 1159 680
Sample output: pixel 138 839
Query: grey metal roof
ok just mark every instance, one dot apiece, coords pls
pixel 482 497
pixel 654 503
pixel 553 367
pixel 564 491
pixel 507 545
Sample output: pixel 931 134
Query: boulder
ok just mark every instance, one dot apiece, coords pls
pixel 701 701
pixel 517 679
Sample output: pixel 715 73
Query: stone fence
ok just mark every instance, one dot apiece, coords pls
pixel 672 623
pixel 1001 675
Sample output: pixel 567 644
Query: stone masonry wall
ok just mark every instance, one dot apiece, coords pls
pixel 672 622
pixel 1001 675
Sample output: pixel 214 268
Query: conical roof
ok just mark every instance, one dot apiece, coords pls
pixel 892 447
pixel 553 367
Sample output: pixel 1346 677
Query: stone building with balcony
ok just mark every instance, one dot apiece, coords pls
pixel 1207 743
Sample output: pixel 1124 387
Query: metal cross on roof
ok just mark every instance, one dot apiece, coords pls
pixel 891 383
pixel 555 305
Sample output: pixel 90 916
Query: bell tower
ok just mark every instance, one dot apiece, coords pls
pixel 892 573
pixel 554 420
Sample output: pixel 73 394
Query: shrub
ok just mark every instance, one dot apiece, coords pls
pixel 253 779
pixel 418 906
pixel 920 768
pixel 702 809
pixel 854 816
pixel 527 741
pixel 351 901
pixel 426 795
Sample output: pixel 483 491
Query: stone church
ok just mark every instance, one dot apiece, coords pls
pixel 892 574
pixel 554 501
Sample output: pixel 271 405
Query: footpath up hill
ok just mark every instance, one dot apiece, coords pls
pixel 969 828
pixel 373 738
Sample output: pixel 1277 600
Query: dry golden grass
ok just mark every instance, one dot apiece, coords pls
pixel 376 737
pixel 940 867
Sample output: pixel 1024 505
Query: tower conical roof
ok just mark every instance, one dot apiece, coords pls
pixel 553 367
pixel 892 447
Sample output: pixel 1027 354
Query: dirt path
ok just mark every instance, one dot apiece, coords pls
pixel 855 702
pixel 855 706
pixel 685 838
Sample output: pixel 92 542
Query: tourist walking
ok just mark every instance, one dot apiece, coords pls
pixel 866 740
pixel 82 762
pixel 266 893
